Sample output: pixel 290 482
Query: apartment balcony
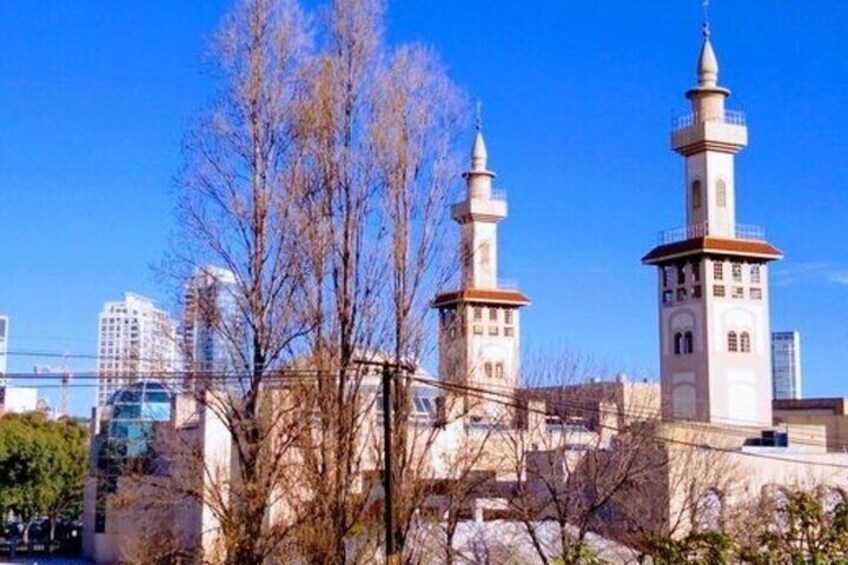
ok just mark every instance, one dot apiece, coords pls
pixel 704 229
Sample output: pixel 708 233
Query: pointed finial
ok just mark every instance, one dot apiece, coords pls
pixel 707 63
pixel 478 150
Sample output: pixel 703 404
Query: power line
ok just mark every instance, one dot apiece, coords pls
pixel 177 378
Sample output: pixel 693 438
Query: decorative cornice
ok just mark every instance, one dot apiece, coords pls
pixel 481 296
pixel 712 246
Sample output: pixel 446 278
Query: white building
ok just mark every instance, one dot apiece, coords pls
pixel 18 400
pixel 4 347
pixel 786 365
pixel 713 274
pixel 211 338
pixel 136 340
pixel 479 322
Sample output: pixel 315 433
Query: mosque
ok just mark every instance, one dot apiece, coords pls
pixel 714 395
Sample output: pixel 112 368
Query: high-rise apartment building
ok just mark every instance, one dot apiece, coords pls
pixel 786 365
pixel 210 337
pixel 136 341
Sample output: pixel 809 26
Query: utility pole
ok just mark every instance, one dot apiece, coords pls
pixel 391 557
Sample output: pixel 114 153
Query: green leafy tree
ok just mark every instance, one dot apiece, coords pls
pixel 42 468
pixel 801 526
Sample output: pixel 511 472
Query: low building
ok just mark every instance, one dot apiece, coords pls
pixel 831 413
pixel 17 400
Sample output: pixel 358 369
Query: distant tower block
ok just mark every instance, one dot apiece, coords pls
pixel 713 275
pixel 479 323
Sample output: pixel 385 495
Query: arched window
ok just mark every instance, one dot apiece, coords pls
pixel 499 372
pixel 678 343
pixel 732 342
pixel 745 342
pixel 708 510
pixel 696 195
pixel 721 194
pixel 485 253
pixel 487 368
pixel 687 343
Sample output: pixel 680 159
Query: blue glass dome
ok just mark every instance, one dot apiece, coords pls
pixel 131 413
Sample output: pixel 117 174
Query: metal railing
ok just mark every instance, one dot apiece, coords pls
pixel 740 231
pixel 495 194
pixel 507 284
pixel 732 117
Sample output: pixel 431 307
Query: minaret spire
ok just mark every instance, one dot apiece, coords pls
pixel 707 62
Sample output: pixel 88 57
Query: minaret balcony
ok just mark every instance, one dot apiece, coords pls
pixel 481 209
pixel 732 117
pixel 704 229
pixel 726 132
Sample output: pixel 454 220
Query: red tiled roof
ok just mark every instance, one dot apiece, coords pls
pixel 712 245
pixel 485 296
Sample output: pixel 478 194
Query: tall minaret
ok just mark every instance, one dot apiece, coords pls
pixel 713 275
pixel 479 323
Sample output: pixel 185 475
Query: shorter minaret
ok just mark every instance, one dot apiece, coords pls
pixel 479 323
pixel 713 274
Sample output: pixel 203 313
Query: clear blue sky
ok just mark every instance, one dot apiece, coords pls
pixel 95 96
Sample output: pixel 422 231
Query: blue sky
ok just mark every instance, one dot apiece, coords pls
pixel 578 96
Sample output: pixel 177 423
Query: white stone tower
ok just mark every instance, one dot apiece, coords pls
pixel 713 275
pixel 479 323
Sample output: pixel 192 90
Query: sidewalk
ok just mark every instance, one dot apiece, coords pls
pixel 44 560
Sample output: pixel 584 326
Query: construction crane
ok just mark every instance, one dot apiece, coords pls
pixel 66 374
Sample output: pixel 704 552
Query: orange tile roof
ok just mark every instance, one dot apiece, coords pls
pixel 485 296
pixel 714 246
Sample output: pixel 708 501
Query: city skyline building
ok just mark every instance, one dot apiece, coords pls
pixel 209 329
pixel 136 341
pixel 786 365
pixel 713 274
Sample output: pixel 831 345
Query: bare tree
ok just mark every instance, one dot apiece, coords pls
pixel 583 443
pixel 319 180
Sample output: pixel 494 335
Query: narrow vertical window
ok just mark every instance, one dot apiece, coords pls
pixel 736 271
pixel 732 342
pixel 499 370
pixel 678 343
pixel 755 274
pixel 721 194
pixel 745 342
pixel 718 270
pixel 508 317
pixel 696 195
pixel 493 314
pixel 485 253
pixel 688 345
pixel 488 370
pixel 478 314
